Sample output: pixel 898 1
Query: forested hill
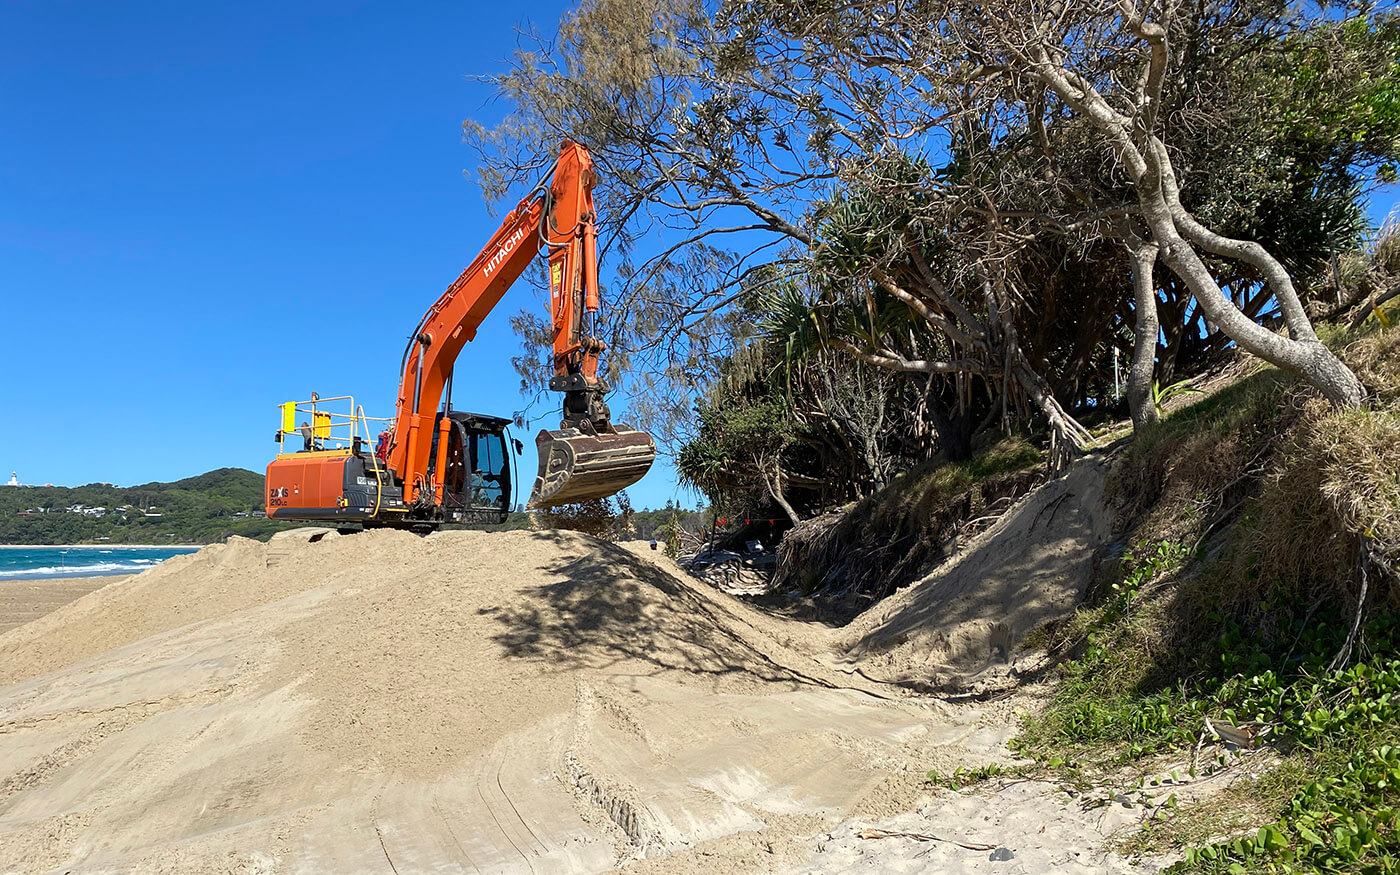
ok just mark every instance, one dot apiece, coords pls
pixel 196 510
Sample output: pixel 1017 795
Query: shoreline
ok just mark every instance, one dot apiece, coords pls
pixel 103 546
pixel 83 574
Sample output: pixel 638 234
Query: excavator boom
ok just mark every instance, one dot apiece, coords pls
pixel 432 459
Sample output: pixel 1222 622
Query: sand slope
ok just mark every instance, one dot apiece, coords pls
pixel 969 615
pixel 466 702
pixel 521 702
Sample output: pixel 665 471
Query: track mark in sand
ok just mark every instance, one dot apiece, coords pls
pixel 511 803
pixel 41 845
pixel 636 825
pixel 379 833
pixel 491 810
pixel 111 721
pixel 42 771
pixel 146 708
pixel 447 824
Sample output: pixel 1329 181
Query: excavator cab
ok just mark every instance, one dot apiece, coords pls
pixel 574 465
pixel 478 480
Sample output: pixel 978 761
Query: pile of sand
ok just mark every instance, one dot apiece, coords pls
pixel 963 624
pixel 468 701
pixel 473 702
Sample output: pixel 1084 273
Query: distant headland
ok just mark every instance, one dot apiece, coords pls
pixel 197 510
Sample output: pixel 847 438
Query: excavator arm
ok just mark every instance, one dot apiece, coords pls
pixel 588 457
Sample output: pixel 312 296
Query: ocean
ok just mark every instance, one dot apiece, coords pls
pixel 31 562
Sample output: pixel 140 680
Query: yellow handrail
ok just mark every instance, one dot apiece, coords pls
pixel 324 424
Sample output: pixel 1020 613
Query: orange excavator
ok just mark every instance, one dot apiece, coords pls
pixel 433 464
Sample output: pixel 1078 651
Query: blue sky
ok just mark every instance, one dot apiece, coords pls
pixel 206 209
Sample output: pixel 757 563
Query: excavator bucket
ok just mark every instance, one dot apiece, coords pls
pixel 577 466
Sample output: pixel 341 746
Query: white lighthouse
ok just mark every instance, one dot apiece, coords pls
pixel 14 479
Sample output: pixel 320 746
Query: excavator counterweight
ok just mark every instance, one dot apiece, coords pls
pixel 436 464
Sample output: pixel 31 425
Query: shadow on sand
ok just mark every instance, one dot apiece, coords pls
pixel 608 606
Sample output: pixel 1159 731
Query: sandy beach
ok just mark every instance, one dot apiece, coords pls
pixel 30 599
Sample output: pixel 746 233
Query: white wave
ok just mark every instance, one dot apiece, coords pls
pixel 81 570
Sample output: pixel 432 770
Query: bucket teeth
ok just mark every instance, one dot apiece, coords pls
pixel 575 466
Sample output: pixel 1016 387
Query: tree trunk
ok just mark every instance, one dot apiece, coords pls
pixel 1301 353
pixel 774 481
pixel 1173 225
pixel 1140 401
pixel 954 434
pixel 1174 229
pixel 1308 358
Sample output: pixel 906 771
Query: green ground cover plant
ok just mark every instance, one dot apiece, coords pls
pixel 1258 595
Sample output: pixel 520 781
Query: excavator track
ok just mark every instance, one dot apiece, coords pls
pixel 576 466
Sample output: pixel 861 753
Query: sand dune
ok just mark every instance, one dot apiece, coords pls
pixel 468 702
pixel 965 620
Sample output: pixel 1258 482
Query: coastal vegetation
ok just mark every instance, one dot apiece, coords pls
pixel 1257 600
pixel 868 237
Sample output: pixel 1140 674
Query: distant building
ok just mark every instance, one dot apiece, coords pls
pixel 14 479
